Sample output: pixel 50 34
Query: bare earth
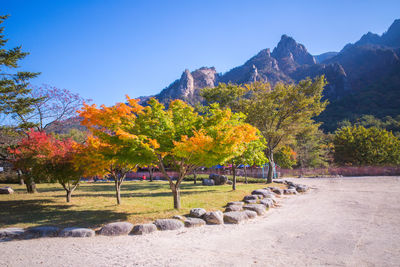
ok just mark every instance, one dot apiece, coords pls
pixel 341 222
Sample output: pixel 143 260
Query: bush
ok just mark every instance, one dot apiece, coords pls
pixel 8 178
pixel 239 179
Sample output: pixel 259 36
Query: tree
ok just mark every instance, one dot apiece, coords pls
pixel 285 157
pixel 253 155
pixel 14 95
pixel 313 147
pixel 120 152
pixel 54 108
pixel 44 158
pixel 279 113
pixel 357 145
pixel 185 139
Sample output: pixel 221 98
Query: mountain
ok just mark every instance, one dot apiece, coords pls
pixel 363 78
pixel 324 56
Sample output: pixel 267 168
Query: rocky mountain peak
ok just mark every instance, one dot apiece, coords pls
pixel 290 54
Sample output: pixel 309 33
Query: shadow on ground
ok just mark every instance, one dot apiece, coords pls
pixel 40 213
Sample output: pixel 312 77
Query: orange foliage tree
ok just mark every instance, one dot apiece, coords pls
pixel 111 149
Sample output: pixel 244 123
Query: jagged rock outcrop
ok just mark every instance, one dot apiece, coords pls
pixel 291 54
pixel 187 87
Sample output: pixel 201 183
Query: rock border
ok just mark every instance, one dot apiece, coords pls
pixel 253 205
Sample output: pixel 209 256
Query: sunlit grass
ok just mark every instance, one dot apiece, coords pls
pixel 94 204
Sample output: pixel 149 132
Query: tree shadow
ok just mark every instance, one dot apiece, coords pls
pixel 37 212
pixel 137 194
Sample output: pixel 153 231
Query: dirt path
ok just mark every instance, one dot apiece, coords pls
pixel 343 222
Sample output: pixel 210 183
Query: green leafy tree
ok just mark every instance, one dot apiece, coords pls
pixel 253 155
pixel 285 157
pixel 184 139
pixel 15 98
pixel 280 113
pixel 313 147
pixel 358 145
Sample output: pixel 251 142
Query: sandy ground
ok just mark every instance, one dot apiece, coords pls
pixel 341 222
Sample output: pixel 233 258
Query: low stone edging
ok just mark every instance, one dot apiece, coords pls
pixel 236 212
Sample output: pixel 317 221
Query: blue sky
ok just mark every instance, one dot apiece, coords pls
pixel 106 49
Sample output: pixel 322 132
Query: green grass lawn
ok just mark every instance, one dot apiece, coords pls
pixel 94 204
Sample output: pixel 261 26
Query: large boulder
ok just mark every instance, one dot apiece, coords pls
pixel 197 212
pixel 259 208
pixel 11 233
pixel 42 231
pixel 194 222
pixel 302 188
pixel 6 190
pixel 234 208
pixel 276 190
pixel 76 232
pixel 250 214
pixel 142 229
pixel 218 179
pixel 251 201
pixel 214 217
pixel 235 217
pixel 116 228
pixel 267 202
pixel 262 192
pixel 208 182
pixel 250 197
pixel 289 191
pixel 168 224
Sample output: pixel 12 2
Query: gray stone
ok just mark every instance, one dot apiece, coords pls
pixel 214 217
pixel 142 229
pixel 235 217
pixel 290 191
pixel 76 232
pixel 250 197
pixel 251 201
pixel 277 190
pixel 250 214
pixel 179 217
pixel 42 231
pixel 259 208
pixel 302 188
pixel 208 182
pixel 234 208
pixel 197 212
pixel 229 182
pixel 168 224
pixel 194 222
pixel 218 179
pixel 267 202
pixel 235 203
pixel 116 228
pixel 6 190
pixel 11 233
pixel 261 192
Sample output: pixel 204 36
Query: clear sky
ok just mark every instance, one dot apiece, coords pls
pixel 104 49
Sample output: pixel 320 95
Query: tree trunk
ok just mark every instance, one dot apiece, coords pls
pixel 245 175
pixel 151 171
pixel 118 192
pixel 69 193
pixel 194 176
pixel 177 197
pixel 20 178
pixel 30 185
pixel 270 167
pixel 234 177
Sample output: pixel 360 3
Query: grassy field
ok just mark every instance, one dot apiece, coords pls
pixel 94 204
